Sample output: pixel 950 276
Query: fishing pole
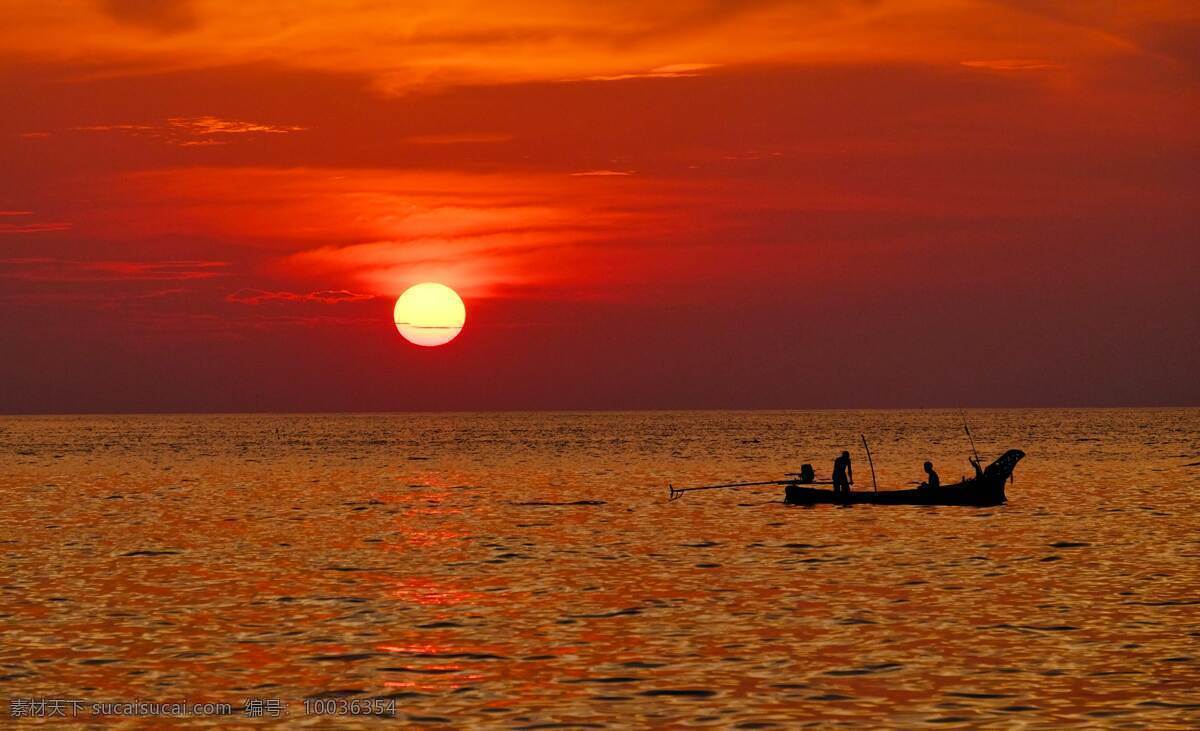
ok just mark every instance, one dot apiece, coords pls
pixel 870 462
pixel 971 438
pixel 677 492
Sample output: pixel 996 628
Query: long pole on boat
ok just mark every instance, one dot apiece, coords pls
pixel 677 492
pixel 870 462
pixel 971 438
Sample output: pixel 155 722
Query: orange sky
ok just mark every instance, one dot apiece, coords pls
pixel 677 204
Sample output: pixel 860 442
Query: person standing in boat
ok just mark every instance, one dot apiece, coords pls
pixel 932 480
pixel 843 473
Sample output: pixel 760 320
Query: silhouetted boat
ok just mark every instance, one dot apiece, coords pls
pixel 982 491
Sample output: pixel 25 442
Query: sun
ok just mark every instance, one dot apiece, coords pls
pixel 430 314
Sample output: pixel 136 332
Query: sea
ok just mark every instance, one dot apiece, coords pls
pixel 527 570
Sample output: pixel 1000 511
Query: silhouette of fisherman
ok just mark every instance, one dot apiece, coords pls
pixel 933 480
pixel 843 473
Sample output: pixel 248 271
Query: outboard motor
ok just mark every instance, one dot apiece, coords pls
pixel 806 474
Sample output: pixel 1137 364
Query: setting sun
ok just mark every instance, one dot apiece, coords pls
pixel 430 314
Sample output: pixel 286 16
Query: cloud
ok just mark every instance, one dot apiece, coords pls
pixel 194 131
pixel 602 173
pixel 373 231
pixel 403 47
pixel 45 269
pixel 273 322
pixel 379 230
pixel 475 265
pixel 251 296
pixel 165 16
pixel 30 227
pixel 1168 28
pixel 670 71
pixel 209 125
pixel 1013 64
pixel 117 128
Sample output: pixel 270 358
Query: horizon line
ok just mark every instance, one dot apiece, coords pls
pixel 1149 407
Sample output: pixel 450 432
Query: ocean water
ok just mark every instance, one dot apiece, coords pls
pixel 397 559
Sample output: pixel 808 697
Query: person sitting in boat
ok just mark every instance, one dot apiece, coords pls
pixel 843 474
pixel 932 480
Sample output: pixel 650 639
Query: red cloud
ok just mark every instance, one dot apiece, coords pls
pixel 44 269
pixel 28 227
pixel 251 296
pixel 193 131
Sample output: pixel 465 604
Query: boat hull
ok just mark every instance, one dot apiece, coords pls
pixel 984 491
pixel 974 495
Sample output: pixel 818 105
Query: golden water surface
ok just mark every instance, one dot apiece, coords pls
pixel 397 558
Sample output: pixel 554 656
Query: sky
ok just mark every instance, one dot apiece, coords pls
pixel 212 205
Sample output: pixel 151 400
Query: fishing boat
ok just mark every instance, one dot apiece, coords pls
pixel 984 490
